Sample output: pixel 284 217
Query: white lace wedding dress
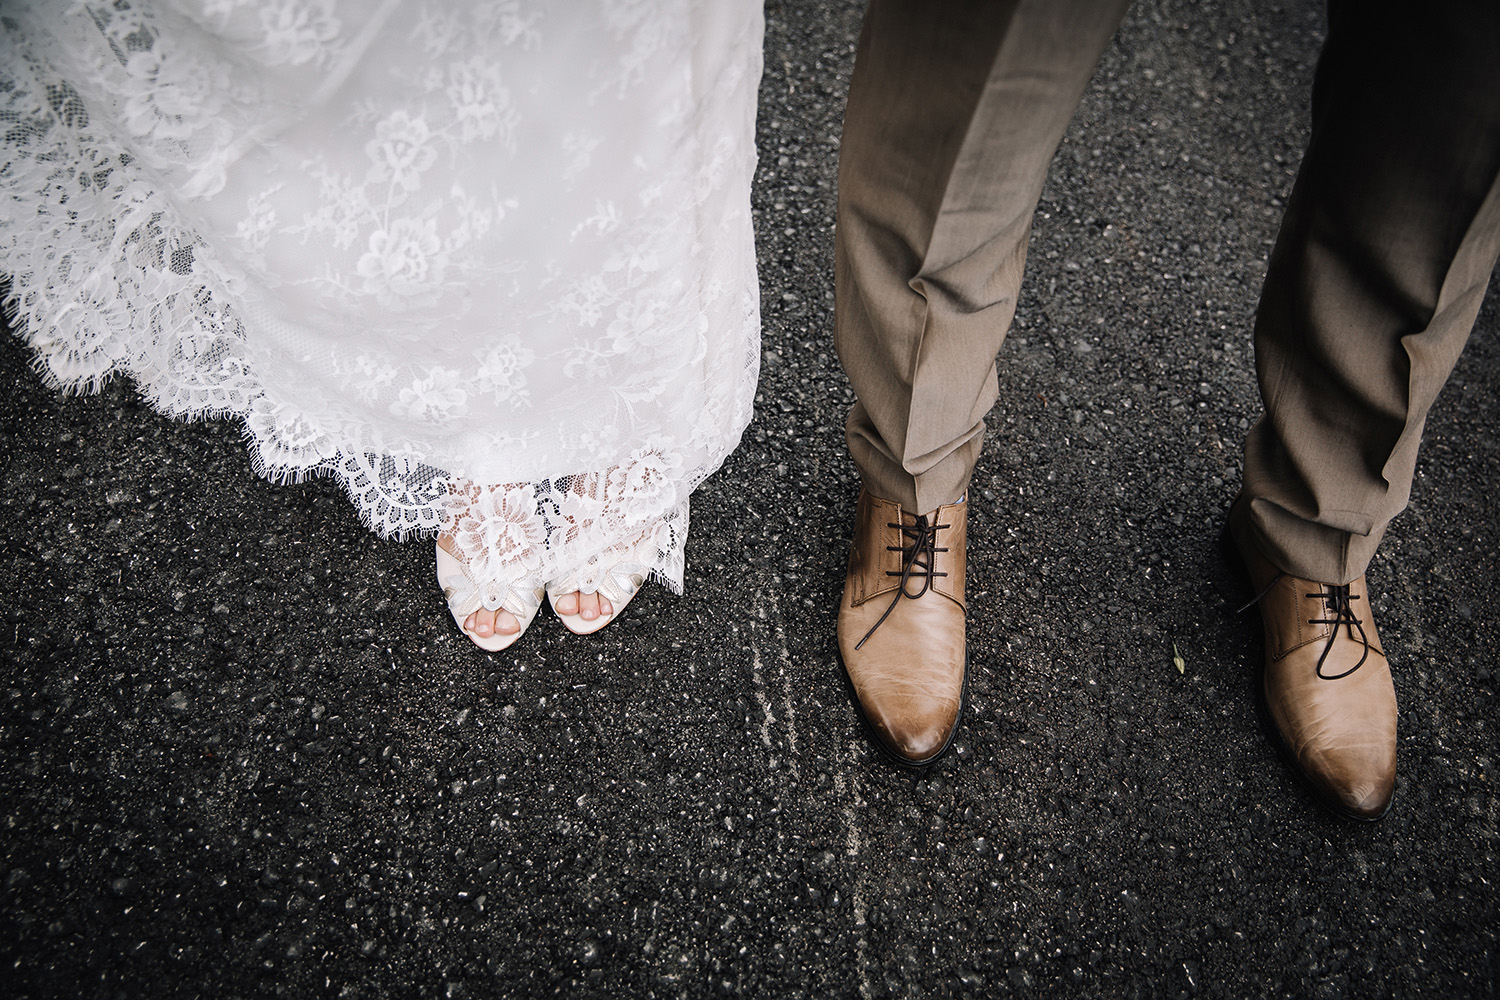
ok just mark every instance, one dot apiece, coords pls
pixel 489 262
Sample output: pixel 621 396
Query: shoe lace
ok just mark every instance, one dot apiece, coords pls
pixel 918 550
pixel 1338 601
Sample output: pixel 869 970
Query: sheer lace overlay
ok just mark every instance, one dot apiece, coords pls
pixel 488 263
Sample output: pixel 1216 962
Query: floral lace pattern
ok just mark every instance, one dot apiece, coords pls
pixel 490 263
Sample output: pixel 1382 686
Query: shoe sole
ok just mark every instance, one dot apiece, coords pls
pixel 501 640
pixel 1241 572
pixel 588 627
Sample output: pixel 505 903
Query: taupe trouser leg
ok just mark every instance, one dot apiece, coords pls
pixel 954 112
pixel 1389 240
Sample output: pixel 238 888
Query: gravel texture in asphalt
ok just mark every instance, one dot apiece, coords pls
pixel 245 753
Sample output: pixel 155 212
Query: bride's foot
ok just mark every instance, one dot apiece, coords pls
pixel 492 630
pixel 484 622
pixel 587 612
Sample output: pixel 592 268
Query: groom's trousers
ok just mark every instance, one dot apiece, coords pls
pixel 1387 245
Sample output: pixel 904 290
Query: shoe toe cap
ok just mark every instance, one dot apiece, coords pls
pixel 1342 732
pixel 914 727
pixel 1367 802
pixel 1358 780
pixel 921 744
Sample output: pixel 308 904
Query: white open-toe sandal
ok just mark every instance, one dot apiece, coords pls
pixel 463 598
pixel 622 581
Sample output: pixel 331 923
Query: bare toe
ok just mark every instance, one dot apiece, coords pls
pixel 567 604
pixel 485 623
pixel 481 623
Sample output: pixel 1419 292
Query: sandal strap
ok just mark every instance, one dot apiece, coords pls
pixel 465 597
pixel 625 572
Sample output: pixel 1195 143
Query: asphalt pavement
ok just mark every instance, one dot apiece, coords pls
pixel 244 752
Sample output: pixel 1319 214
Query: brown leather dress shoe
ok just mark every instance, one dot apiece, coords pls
pixel 901 625
pixel 1328 687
